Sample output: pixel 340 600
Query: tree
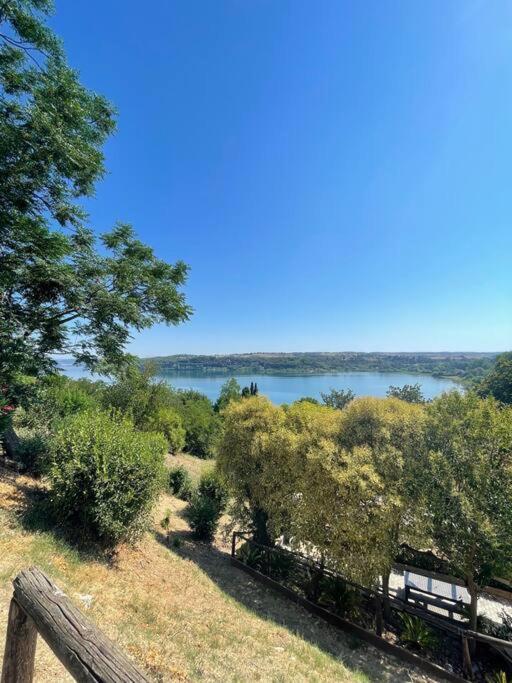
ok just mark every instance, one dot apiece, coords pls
pixel 200 421
pixel 138 395
pixel 59 292
pixel 498 382
pixel 469 487
pixel 338 398
pixel 393 432
pixel 255 451
pixel 229 391
pixel 411 393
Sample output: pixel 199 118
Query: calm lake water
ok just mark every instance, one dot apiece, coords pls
pixel 288 389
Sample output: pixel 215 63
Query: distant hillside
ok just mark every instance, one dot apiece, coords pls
pixel 463 366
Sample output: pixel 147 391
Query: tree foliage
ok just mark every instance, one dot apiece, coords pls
pixel 498 382
pixel 411 393
pixel 59 290
pixel 338 398
pixel 229 391
pixel 469 486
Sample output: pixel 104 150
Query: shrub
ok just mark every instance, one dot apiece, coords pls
pixel 169 423
pixel 32 452
pixel 251 555
pixel 180 482
pixel 212 486
pixel 203 515
pixel 346 600
pixel 105 475
pixel 417 633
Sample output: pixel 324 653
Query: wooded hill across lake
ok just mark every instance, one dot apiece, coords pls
pixel 465 366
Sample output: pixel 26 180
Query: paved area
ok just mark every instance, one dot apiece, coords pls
pixel 488 605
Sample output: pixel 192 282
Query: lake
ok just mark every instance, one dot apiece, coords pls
pixel 286 389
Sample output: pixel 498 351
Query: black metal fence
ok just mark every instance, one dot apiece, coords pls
pixel 368 613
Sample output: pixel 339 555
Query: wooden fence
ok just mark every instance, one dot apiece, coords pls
pixel 38 606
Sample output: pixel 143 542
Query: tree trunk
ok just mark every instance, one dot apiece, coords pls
pixel 385 594
pixel 473 609
pixel 260 522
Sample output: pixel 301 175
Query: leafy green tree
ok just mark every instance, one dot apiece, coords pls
pixel 137 394
pixel 411 393
pixel 468 483
pixel 229 391
pixel 255 450
pixel 393 432
pixel 168 422
pixel 200 421
pixel 338 398
pixel 59 290
pixel 498 382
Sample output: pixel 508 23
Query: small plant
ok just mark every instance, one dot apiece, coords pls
pixel 176 542
pixel 250 555
pixel 497 677
pixel 346 600
pixel 166 524
pixel 281 565
pixel 417 633
pixel 203 515
pixel 180 483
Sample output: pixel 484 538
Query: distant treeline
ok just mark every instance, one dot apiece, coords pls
pixel 467 367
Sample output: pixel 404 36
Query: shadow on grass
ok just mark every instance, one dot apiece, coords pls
pixel 36 515
pixel 270 605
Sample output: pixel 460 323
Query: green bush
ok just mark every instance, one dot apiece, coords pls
pixel 32 452
pixel 180 482
pixel 105 475
pixel 168 422
pixel 203 515
pixel 212 486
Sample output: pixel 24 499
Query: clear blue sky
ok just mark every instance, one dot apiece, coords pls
pixel 337 174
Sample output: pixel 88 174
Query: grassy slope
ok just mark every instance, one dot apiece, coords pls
pixel 182 613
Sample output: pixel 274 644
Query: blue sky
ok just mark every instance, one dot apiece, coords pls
pixel 337 174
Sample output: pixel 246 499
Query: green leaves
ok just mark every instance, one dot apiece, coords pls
pixel 59 290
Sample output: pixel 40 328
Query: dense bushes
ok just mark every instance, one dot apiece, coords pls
pixel 105 475
pixel 166 421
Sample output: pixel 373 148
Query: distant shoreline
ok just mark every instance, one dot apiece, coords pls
pixel 461 367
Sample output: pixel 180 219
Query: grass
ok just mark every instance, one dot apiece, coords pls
pixel 182 613
pixel 195 466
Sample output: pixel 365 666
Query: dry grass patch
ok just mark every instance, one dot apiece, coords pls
pixel 194 466
pixel 182 613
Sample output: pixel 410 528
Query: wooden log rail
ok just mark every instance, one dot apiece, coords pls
pixel 38 606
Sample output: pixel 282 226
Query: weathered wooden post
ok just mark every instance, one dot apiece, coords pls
pixel 466 658
pixel 38 606
pixel 20 646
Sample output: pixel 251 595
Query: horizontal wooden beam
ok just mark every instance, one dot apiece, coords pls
pixel 82 648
